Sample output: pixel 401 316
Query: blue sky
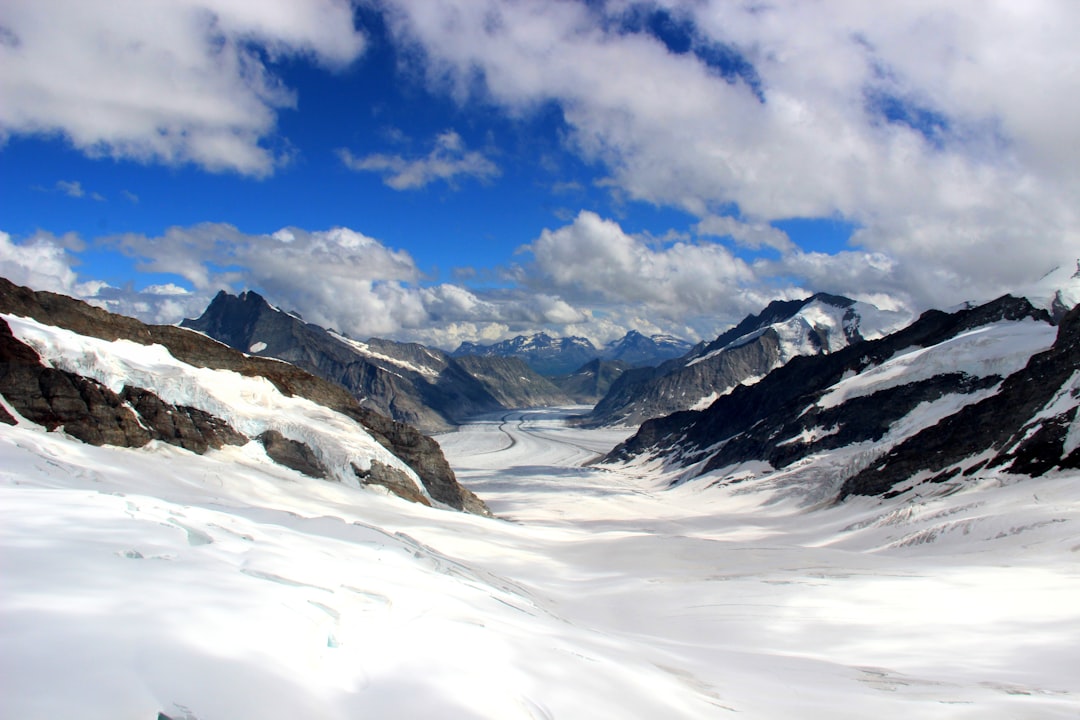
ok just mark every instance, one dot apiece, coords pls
pixel 473 169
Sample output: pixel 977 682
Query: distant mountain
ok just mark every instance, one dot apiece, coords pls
pixel 645 350
pixel 411 383
pixel 743 355
pixel 63 366
pixel 591 381
pixel 563 356
pixel 994 386
pixel 512 383
pixel 543 353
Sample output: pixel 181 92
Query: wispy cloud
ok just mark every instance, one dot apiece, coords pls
pixel 448 160
pixel 74 188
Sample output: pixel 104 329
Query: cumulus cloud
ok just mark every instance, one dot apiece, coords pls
pixel 173 81
pixel 448 160
pixel 753 235
pixel 42 262
pixel 948 134
pixel 594 262
pixel 47 262
pixel 337 278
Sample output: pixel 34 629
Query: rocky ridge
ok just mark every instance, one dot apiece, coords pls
pixel 760 343
pixel 411 383
pixel 95 414
pixel 963 421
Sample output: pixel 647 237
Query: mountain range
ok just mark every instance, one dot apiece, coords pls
pixel 743 355
pixel 950 396
pixel 246 516
pixel 411 383
pixel 567 355
pixel 111 380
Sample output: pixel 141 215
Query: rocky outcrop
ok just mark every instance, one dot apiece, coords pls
pixel 1024 428
pixel 591 381
pixel 760 343
pixel 393 480
pixel 512 383
pixel 779 420
pixel 96 412
pixel 411 383
pixel 402 382
pixel 292 454
pixel 93 413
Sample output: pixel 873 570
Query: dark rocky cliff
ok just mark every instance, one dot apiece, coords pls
pixel 748 351
pixel 758 422
pixel 94 414
pixel 1024 428
pixel 429 393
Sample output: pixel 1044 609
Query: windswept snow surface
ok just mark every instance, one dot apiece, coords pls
pixel 223 587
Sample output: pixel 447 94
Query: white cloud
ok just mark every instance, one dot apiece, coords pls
pixel 447 160
pixel 42 262
pixel 593 261
pixel 950 133
pixel 172 81
pixel 72 188
pixel 753 235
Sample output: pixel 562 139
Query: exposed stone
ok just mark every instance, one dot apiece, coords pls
pixel 419 452
pixel 1008 424
pixel 292 454
pixel 392 479
pixel 749 350
pixel 765 421
pixel 188 427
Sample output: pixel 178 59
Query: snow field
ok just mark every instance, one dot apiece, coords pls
pixel 225 586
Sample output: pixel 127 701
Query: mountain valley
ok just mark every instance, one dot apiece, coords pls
pixel 885 521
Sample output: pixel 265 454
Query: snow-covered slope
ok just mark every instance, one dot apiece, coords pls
pixel 742 356
pixel 110 380
pixel 250 405
pixel 223 586
pixel 881 415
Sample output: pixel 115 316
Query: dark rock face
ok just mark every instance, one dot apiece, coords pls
pixel 95 414
pixel 249 324
pixel 591 381
pixel 188 427
pixel 765 421
pixel 511 382
pixel 20 368
pixel 1012 426
pixel 392 479
pixel 411 383
pixel 749 350
pixel 679 386
pixel 292 454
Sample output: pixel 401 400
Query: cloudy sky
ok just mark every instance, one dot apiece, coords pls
pixel 473 169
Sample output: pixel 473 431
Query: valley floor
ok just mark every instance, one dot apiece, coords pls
pixel 225 587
